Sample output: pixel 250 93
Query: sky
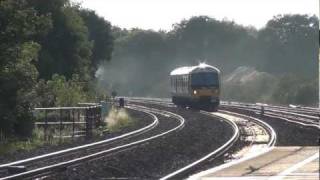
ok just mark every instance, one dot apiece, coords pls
pixel 161 14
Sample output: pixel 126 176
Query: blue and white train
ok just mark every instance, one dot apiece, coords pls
pixel 196 86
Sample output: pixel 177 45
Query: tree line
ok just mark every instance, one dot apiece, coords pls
pixel 284 53
pixel 54 53
pixel 49 53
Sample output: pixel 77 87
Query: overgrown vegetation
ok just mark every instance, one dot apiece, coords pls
pixel 117 119
pixel 10 146
pixel 48 57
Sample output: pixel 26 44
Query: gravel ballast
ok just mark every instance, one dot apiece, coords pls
pixel 201 135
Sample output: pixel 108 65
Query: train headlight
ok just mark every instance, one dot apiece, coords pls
pixel 194 91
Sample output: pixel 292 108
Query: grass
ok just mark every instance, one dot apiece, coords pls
pixel 13 145
pixel 8 146
pixel 118 119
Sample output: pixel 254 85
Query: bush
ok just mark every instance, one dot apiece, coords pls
pixel 117 119
pixel 60 92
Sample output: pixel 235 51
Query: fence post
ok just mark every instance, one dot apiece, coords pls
pixel 93 118
pixel 79 125
pixel 88 123
pixel 60 134
pixel 72 124
pixel 99 115
pixel 45 125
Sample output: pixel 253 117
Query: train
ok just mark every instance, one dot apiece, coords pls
pixel 196 86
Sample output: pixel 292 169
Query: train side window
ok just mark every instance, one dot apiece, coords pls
pixel 176 83
pixel 183 83
pixel 180 84
pixel 172 83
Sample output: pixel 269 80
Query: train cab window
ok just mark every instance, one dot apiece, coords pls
pixel 205 79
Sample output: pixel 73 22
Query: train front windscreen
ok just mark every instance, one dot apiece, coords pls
pixel 205 79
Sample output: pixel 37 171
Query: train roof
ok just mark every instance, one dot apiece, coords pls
pixel 190 69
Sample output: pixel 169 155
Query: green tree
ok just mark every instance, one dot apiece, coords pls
pixel 221 43
pixel 101 37
pixel 66 49
pixel 67 93
pixel 19 25
pixel 138 53
pixel 289 43
pixel 307 94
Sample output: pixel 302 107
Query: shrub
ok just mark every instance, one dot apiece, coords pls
pixel 117 119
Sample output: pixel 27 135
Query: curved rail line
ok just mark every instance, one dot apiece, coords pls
pixel 216 152
pixel 270 130
pixel 270 146
pixel 309 112
pixel 83 147
pixel 300 119
pixel 227 145
pixel 49 169
pixel 287 110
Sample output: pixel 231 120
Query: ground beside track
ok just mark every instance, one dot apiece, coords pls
pixel 288 133
pixel 201 135
pixel 141 120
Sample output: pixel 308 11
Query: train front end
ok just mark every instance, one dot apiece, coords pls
pixel 205 87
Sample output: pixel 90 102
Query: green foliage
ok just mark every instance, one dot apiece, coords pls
pixel 117 119
pixel 61 92
pixel 287 44
pixel 294 90
pixel 49 39
pixel 286 89
pixel 66 50
pixel 20 24
pixel 100 36
pixel 37 140
pixel 137 53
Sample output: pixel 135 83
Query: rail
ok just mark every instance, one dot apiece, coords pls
pixel 78 148
pixel 56 167
pixel 216 152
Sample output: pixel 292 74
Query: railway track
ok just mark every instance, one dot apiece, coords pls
pixel 190 168
pixel 217 152
pixel 70 157
pixel 291 126
pixel 287 114
pixel 202 134
pixel 162 138
pixel 304 116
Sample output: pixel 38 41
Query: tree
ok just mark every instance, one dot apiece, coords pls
pixel 101 37
pixel 142 56
pixel 66 49
pixel 20 24
pixel 289 43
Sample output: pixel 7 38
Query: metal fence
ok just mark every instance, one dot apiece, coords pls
pixel 68 122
